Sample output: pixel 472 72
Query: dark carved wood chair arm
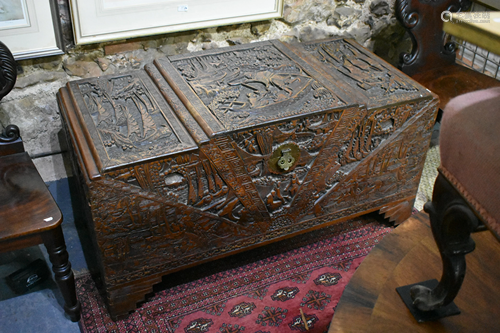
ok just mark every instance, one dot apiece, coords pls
pixel 465 196
pixel 8 71
pixel 431 61
pixel 10 138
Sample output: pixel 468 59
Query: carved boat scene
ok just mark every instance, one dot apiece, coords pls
pixel 129 121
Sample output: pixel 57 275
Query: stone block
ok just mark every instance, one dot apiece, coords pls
pixel 380 8
pixel 122 47
pixel 82 68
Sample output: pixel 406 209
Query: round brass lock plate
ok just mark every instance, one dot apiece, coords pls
pixel 284 158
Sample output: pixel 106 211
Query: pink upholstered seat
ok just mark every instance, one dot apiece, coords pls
pixel 470 151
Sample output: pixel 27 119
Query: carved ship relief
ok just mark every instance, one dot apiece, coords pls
pixel 128 119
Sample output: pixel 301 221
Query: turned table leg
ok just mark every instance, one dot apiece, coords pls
pixel 56 247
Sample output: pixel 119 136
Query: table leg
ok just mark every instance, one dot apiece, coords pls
pixel 56 247
pixel 452 222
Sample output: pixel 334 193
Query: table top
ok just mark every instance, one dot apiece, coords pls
pixel 26 205
pixel 409 255
pixel 479 28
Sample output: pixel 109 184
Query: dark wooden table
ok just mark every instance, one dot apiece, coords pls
pixel 408 255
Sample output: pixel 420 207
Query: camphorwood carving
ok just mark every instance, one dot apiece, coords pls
pixel 206 154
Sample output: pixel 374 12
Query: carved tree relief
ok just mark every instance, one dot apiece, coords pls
pixel 376 79
pixel 129 121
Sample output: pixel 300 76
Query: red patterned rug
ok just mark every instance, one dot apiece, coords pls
pixel 270 289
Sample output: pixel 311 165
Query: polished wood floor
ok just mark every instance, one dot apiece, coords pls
pixel 408 255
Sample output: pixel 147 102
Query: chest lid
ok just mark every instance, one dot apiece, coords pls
pixel 124 119
pixel 250 85
pixel 371 80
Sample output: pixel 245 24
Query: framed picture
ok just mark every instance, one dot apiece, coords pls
pixel 31 28
pixel 104 20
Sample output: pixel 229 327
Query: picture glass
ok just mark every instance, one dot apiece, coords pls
pixel 109 20
pixel 13 14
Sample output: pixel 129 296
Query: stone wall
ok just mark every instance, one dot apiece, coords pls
pixel 32 103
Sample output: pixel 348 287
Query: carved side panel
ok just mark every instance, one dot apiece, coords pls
pixel 248 86
pixel 140 233
pixel 393 168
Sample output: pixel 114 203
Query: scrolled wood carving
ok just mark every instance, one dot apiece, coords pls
pixel 9 134
pixel 427 38
pixel 8 70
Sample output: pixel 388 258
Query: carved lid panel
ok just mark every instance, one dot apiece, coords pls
pixel 247 86
pixel 375 82
pixel 127 120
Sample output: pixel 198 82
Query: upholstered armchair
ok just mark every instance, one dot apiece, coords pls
pixel 466 194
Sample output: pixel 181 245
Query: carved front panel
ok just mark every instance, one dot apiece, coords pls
pixel 249 86
pixel 194 206
pixel 261 150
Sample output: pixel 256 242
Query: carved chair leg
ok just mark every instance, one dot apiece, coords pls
pixel 56 247
pixel 452 222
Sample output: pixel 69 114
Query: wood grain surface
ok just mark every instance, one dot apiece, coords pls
pixel 408 255
pixel 212 153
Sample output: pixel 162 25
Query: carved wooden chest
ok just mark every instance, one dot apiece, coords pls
pixel 205 154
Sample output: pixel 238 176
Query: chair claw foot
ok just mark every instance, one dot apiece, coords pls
pixel 424 299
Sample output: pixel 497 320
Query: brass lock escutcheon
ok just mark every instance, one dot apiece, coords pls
pixel 284 158
pixel 286 161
